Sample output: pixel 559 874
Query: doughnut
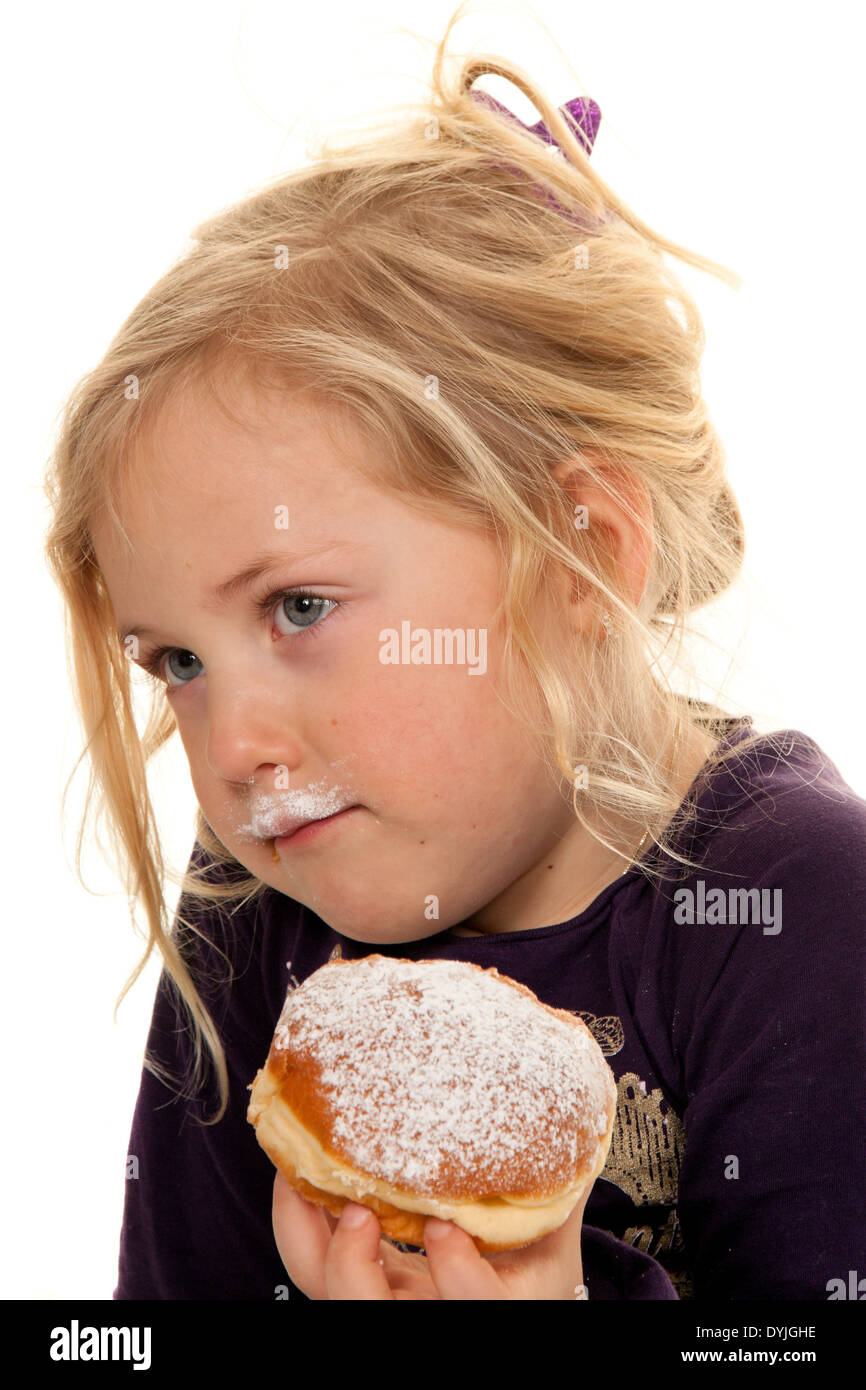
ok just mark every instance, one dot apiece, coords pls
pixel 434 1088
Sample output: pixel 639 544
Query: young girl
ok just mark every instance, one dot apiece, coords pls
pixel 401 488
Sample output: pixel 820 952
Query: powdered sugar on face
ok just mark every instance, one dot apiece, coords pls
pixel 268 809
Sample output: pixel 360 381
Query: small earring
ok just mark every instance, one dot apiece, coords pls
pixel 607 624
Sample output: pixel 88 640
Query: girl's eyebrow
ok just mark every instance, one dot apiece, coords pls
pixel 225 592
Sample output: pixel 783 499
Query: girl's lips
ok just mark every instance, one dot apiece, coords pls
pixel 308 832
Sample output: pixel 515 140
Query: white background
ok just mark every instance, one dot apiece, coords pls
pixel 735 130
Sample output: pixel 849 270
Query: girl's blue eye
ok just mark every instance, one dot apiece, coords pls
pixel 164 656
pixel 179 652
pixel 306 613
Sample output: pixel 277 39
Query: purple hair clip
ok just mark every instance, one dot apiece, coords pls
pixel 581 114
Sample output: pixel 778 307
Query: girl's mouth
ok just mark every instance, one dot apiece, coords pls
pixel 310 830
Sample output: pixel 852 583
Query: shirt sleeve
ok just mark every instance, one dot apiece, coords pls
pixel 197 1210
pixel 770 1035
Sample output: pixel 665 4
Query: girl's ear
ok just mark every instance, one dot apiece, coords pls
pixel 618 525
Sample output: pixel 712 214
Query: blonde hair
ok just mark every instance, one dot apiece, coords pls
pixel 430 253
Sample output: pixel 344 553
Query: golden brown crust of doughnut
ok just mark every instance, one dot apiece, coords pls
pixel 299 1076
pixel 295 1076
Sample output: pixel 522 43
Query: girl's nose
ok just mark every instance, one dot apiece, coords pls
pixel 248 727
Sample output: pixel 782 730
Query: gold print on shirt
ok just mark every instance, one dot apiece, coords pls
pixel 646 1150
pixel 647 1145
pixel 664 1244
pixel 648 1137
pixel 607 1031
pixel 655 1242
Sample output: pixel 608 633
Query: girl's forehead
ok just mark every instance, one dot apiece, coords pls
pixel 205 427
pixel 237 398
pixel 250 449
pixel 228 466
pixel 205 492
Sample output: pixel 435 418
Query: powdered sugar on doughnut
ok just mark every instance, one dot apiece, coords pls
pixel 444 1078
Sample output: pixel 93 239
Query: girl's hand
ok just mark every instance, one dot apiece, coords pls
pixel 332 1259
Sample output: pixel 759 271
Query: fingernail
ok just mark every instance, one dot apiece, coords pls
pixel 436 1229
pixel 355 1216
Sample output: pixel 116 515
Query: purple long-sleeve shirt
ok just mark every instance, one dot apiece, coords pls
pixel 737 1039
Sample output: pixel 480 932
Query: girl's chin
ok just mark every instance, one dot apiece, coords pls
pixel 330 908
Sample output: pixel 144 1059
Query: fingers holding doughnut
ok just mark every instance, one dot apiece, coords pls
pixel 352 1268
pixel 302 1232
pixel 456 1268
